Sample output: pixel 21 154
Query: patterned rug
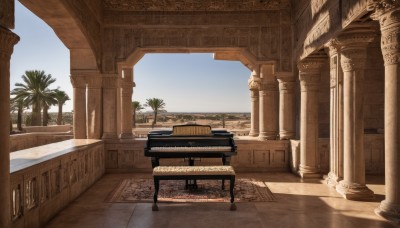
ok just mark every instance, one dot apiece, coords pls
pixel 142 190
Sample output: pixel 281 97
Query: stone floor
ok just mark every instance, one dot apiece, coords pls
pixel 308 203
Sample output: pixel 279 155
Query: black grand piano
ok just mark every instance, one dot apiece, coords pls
pixel 190 142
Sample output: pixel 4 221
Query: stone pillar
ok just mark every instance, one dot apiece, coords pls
pixel 388 14
pixel 268 104
pixel 110 106
pixel 336 117
pixel 310 75
pixel 254 86
pixel 94 115
pixel 7 41
pixel 353 58
pixel 126 103
pixel 79 104
pixel 286 105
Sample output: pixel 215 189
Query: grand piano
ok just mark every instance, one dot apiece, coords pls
pixel 190 142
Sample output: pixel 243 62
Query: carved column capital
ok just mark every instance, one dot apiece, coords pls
pixel 333 47
pixel 7 41
pixel 353 59
pixel 94 82
pixel 110 81
pixel 268 85
pixel 381 7
pixel 254 83
pixel 78 81
pixel 311 65
pixel 310 73
pixel 286 81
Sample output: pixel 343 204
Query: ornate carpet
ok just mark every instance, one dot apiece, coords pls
pixel 142 190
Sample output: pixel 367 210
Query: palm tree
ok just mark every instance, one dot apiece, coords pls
pixel 61 98
pixel 18 105
pixel 49 99
pixel 136 107
pixel 34 91
pixel 157 105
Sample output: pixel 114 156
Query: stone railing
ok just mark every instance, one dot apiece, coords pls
pixel 252 155
pixel 28 140
pixel 50 128
pixel 373 149
pixel 46 179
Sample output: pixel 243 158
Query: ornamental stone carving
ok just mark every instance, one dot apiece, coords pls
pixel 381 7
pixel 204 5
pixel 7 41
pixel 310 73
pixel 94 82
pixel 268 86
pixel 287 83
pixel 333 47
pixel 311 64
pixel 254 83
pixel 353 59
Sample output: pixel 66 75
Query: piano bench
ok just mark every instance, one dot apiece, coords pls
pixel 193 172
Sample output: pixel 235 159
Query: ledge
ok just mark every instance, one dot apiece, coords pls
pixel 29 157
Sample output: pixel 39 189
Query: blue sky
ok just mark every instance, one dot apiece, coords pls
pixel 186 82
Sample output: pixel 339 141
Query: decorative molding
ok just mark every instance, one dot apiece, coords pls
pixel 7 41
pixel 94 82
pixel 204 5
pixel 110 81
pixel 268 86
pixel 333 47
pixel 311 64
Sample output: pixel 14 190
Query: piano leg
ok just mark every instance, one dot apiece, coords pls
pixel 155 162
pixel 156 188
pixel 231 186
pixel 191 184
pixel 226 160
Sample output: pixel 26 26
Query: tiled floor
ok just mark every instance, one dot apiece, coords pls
pixel 308 203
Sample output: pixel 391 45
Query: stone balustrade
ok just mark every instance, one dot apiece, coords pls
pixel 46 179
pixel 29 140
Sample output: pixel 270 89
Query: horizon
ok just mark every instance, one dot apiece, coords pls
pixel 186 82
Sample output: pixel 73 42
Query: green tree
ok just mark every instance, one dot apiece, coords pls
pixel 61 98
pixel 49 99
pixel 34 91
pixel 18 105
pixel 136 107
pixel 157 105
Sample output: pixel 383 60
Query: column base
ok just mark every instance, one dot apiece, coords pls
pixel 267 136
pixel 126 136
pixel 286 135
pixel 389 211
pixel 354 191
pixel 332 180
pixel 308 172
pixel 253 134
pixel 108 135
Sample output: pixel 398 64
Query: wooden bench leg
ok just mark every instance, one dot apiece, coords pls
pixel 156 188
pixel 231 186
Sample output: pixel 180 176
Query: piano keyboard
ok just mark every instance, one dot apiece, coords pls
pixel 188 149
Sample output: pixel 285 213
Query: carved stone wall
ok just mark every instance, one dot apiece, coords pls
pixel 265 35
pixel 317 21
pixel 252 155
pixel 7 14
pixel 29 140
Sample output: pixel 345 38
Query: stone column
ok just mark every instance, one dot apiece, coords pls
pixel 7 41
pixel 353 58
pixel 310 74
pixel 110 106
pixel 388 15
pixel 286 105
pixel 94 115
pixel 79 104
pixel 336 117
pixel 126 103
pixel 268 98
pixel 254 86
